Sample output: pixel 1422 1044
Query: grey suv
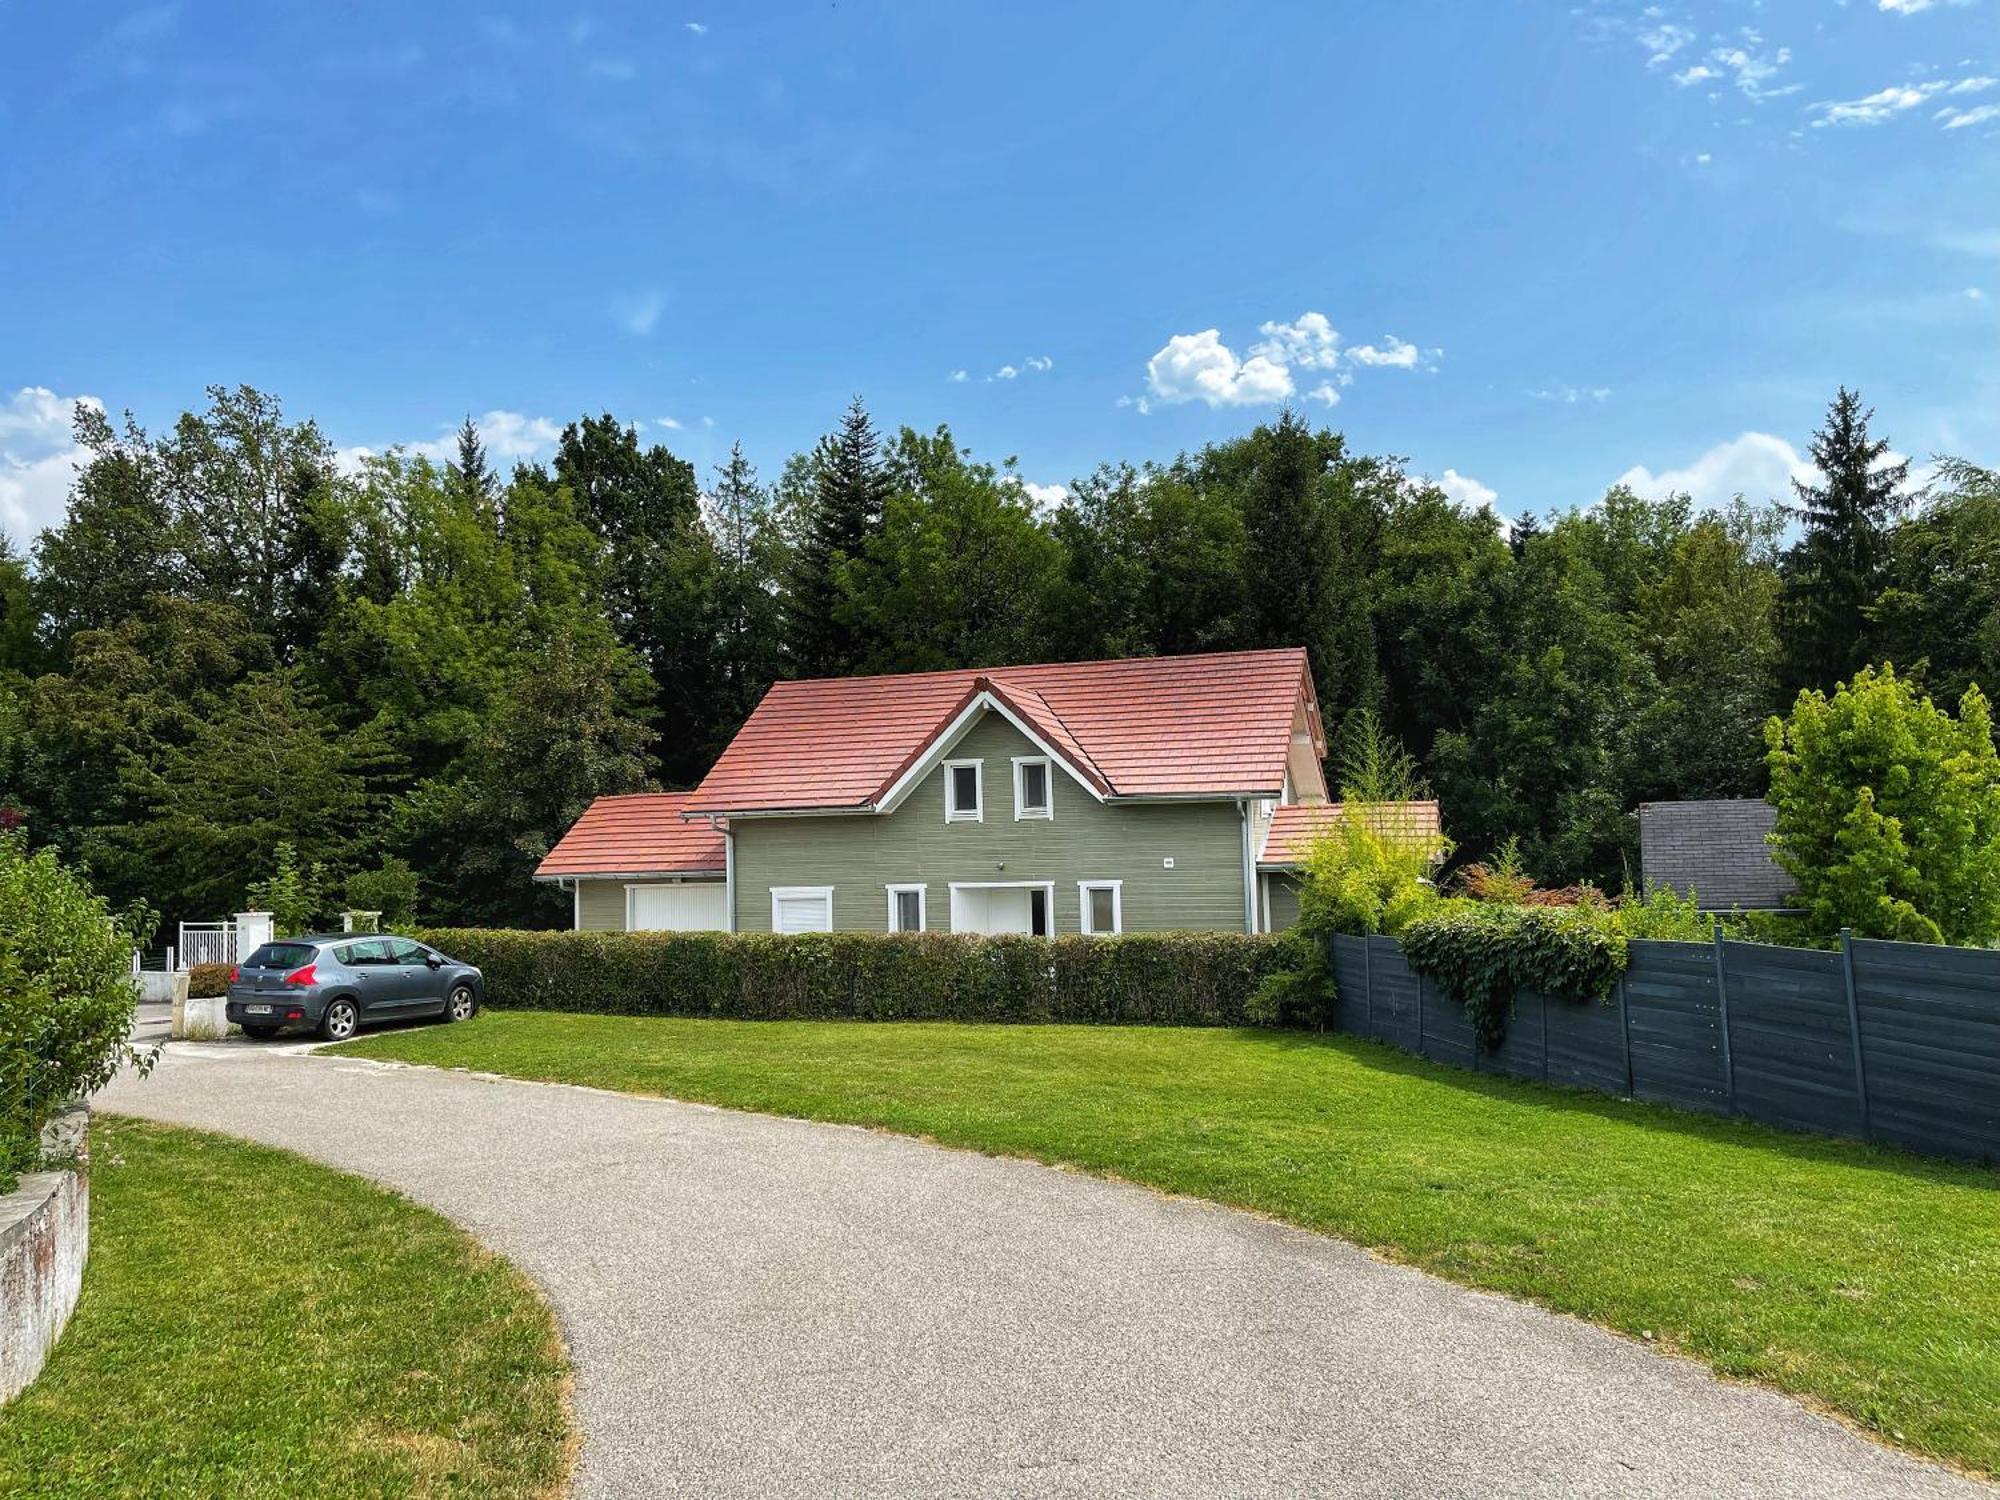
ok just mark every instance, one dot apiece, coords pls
pixel 337 985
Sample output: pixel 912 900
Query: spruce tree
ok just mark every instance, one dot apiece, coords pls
pixel 473 475
pixel 1837 569
pixel 748 557
pixel 850 485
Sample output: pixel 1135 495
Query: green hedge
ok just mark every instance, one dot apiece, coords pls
pixel 1164 979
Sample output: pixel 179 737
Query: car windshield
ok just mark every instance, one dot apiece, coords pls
pixel 282 956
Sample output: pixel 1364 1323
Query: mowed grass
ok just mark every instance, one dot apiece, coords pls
pixel 1867 1279
pixel 254 1325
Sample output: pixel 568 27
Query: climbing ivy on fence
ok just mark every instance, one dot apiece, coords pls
pixel 1481 957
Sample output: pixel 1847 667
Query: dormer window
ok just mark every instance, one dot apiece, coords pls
pixel 1031 787
pixel 964 801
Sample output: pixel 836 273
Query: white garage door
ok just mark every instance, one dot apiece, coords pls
pixel 694 907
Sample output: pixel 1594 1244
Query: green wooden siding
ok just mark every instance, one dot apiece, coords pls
pixel 861 855
pixel 1283 895
pixel 602 904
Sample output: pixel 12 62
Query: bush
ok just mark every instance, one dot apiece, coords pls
pixel 206 981
pixel 1165 979
pixel 66 997
pixel 1482 956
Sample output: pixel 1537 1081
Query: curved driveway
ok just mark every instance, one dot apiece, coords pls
pixel 764 1307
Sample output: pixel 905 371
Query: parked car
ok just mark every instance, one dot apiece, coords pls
pixel 336 985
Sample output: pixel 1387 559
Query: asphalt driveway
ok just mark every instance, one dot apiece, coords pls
pixel 766 1307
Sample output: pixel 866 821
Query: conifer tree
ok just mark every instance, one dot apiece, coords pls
pixel 850 485
pixel 1836 571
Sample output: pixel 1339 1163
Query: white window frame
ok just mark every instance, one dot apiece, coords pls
pixel 781 893
pixel 959 814
pixel 1046 887
pixel 1083 890
pixel 1047 811
pixel 923 906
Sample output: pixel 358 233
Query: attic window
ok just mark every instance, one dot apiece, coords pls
pixel 1031 788
pixel 962 800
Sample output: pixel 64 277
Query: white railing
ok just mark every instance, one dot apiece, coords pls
pixel 207 943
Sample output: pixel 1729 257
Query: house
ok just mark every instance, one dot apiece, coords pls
pixel 1092 797
pixel 1718 849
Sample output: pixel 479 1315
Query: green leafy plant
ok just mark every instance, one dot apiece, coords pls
pixel 1156 979
pixel 390 889
pixel 291 893
pixel 208 981
pixel 1888 811
pixel 1481 956
pixel 1370 871
pixel 66 997
pixel 1664 914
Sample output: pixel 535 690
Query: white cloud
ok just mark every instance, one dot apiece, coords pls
pixel 1901 98
pixel 1005 372
pixel 1569 395
pixel 1702 158
pixel 1975 294
pixel 1957 119
pixel 1041 362
pixel 956 377
pixel 1200 367
pixel 1699 73
pixel 1466 490
pixel 1312 343
pixel 1049 495
pixel 1663 41
pixel 1749 70
pixel 641 314
pixel 695 27
pixel 506 434
pixel 38 458
pixel 1756 465
pixel 1904 7
pixel 670 423
pixel 1394 352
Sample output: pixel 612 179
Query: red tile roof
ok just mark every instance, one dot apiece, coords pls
pixel 1296 825
pixel 1145 726
pixel 642 834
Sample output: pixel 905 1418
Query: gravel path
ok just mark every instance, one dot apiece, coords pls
pixel 764 1307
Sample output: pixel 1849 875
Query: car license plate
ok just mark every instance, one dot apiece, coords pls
pixel 257 1010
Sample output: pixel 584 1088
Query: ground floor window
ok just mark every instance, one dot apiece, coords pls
pixel 801 908
pixel 1101 903
pixel 906 908
pixel 1022 906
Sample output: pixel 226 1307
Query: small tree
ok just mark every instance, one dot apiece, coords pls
pixel 291 893
pixel 66 997
pixel 1889 811
pixel 1370 872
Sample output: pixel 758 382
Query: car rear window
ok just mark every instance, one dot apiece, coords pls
pixel 282 956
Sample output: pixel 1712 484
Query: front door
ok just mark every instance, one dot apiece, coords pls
pixel 419 987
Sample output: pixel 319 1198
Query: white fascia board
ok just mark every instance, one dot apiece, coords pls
pixel 955 731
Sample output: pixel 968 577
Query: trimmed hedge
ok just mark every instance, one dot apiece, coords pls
pixel 1164 979
pixel 207 981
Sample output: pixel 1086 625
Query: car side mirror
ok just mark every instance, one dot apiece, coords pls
pixel 434 961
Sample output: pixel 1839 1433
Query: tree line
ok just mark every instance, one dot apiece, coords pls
pixel 234 663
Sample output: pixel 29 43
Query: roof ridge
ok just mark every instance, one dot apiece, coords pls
pixel 1041 666
pixel 1075 738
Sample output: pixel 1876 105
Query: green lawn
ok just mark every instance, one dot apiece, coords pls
pixel 254 1325
pixel 1865 1278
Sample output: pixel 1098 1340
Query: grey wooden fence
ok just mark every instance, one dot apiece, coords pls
pixel 1892 1042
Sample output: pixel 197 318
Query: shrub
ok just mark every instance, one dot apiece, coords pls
pixel 1482 956
pixel 206 981
pixel 66 997
pixel 1166 979
pixel 1888 811
pixel 1663 913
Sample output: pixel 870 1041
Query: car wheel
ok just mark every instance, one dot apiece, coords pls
pixel 340 1022
pixel 460 1003
pixel 260 1033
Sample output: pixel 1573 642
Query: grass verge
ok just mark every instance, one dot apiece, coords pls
pixel 1864 1278
pixel 253 1324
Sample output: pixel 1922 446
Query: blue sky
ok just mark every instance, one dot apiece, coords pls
pixel 1537 248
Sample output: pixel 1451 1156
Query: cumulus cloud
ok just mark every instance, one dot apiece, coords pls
pixel 1042 362
pixel 1756 465
pixel 1047 496
pixel 695 28
pixel 1955 119
pixel 1200 367
pixel 507 435
pixel 1006 372
pixel 38 458
pixel 956 377
pixel 1466 490
pixel 1904 7
pixel 1663 41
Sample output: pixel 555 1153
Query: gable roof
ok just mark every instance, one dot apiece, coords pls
pixel 1166 726
pixel 1715 848
pixel 641 834
pixel 1295 825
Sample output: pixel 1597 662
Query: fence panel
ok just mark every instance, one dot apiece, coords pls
pixel 1586 1044
pixel 1350 985
pixel 1788 1037
pixel 1523 1050
pixel 1448 1031
pixel 1394 991
pixel 1930 1046
pixel 1676 1026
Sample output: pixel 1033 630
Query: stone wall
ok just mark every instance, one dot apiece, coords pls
pixel 44 1237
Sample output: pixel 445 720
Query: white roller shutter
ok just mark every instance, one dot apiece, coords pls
pixel 696 906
